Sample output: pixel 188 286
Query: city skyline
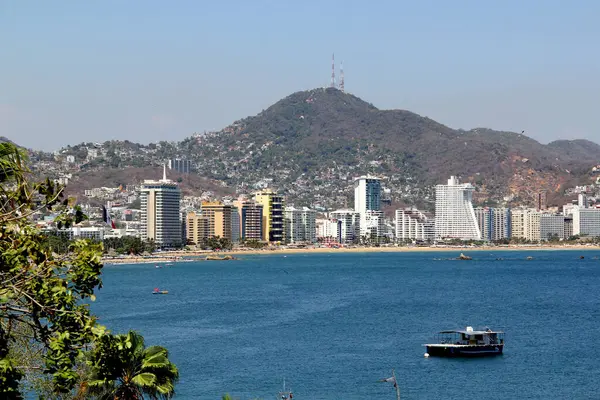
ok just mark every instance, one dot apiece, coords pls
pixel 235 221
pixel 82 72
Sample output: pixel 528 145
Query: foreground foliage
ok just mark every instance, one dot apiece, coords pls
pixel 39 290
pixel 46 328
pixel 123 368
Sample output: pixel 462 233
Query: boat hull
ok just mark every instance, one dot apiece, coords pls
pixel 465 351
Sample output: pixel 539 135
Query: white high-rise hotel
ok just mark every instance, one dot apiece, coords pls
pixel 367 203
pixel 454 214
pixel 160 217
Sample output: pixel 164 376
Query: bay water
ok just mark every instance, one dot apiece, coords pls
pixel 332 325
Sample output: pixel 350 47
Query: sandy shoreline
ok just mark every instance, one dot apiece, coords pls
pixel 186 255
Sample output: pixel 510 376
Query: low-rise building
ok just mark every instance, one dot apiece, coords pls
pixel 412 224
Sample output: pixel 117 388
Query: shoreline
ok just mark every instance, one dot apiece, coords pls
pixel 181 256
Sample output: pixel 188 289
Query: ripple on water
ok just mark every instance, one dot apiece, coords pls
pixel 333 324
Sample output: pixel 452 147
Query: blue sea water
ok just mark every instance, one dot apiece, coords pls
pixel 333 324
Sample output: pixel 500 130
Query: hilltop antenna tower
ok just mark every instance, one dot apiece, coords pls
pixel 342 77
pixel 332 70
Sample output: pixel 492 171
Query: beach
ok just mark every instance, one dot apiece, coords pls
pixel 178 256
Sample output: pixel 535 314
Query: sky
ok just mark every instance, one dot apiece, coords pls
pixel 76 71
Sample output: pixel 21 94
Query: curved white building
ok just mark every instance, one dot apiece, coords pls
pixel 454 213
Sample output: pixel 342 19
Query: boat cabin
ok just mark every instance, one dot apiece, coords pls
pixel 470 337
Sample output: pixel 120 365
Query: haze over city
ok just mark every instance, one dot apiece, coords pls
pixel 149 71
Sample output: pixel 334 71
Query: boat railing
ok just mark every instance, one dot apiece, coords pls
pixel 491 338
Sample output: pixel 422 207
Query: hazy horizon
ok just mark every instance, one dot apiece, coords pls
pixel 147 71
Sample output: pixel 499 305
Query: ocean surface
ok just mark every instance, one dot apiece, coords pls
pixel 332 325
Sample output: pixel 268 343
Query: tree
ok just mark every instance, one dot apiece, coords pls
pixel 253 243
pixel 216 242
pixel 123 368
pixel 128 245
pixel 46 327
pixel 39 289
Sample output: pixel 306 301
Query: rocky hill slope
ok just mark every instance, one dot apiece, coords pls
pixel 312 143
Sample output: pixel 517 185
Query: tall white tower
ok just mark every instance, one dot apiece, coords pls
pixel 367 194
pixel 454 214
pixel 367 203
pixel 160 217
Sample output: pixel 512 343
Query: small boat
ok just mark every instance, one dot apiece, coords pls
pixel 467 343
pixel 463 257
pixel 158 291
pixel 286 394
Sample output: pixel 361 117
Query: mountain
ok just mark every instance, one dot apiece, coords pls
pixel 583 150
pixel 312 143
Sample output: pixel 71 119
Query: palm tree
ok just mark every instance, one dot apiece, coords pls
pixel 124 369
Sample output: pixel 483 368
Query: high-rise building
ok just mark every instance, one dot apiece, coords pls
pixel 160 216
pixel 180 165
pixel 552 226
pixel 235 225
pixel 454 214
pixel 412 224
pixel 540 200
pixel 586 221
pixel 300 225
pixel 582 200
pixel 197 227
pixel 525 224
pixel 568 227
pixel 219 219
pixel 494 223
pixel 347 225
pixel 533 225
pixel 251 219
pixel 367 203
pixel 273 216
pixel 367 194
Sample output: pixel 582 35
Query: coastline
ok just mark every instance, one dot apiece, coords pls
pixel 186 256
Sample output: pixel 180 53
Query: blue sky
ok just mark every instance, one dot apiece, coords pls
pixel 74 71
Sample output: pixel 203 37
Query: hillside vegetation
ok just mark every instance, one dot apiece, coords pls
pixel 312 143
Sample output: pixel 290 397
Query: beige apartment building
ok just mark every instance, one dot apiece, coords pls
pixel 525 224
pixel 197 227
pixel 219 219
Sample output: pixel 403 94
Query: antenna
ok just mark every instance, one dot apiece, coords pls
pixel 332 70
pixel 342 77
